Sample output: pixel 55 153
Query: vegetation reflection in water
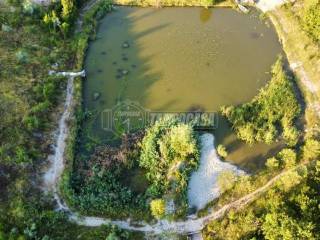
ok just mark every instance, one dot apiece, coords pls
pixel 165 63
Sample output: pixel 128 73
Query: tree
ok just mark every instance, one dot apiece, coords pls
pixel 272 163
pixel 169 147
pixel 112 236
pixel 158 208
pixel 311 149
pixel 52 20
pixel 288 157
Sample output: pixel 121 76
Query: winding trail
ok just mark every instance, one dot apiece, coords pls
pixel 56 166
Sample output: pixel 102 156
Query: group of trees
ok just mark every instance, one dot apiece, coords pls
pixel 289 210
pixel 271 112
pixel 169 153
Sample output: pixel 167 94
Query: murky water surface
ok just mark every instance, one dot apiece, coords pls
pixel 178 59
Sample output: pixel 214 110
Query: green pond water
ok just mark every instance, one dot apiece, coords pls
pixel 181 59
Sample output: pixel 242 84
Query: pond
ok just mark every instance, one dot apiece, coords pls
pixel 181 59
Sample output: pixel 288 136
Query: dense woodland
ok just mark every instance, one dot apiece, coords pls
pixel 34 40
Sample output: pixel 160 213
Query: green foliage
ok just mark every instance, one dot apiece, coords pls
pixel 97 183
pixel 158 208
pixel 311 149
pixel 276 105
pixel 311 20
pixel 168 145
pixel 169 154
pixel 52 20
pixel 289 210
pixel 288 157
pixel 68 9
pixel 222 151
pixel 27 97
pixel 272 163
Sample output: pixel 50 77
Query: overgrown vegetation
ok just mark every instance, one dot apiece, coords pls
pixel 169 154
pixel 222 151
pixel 30 48
pixel 289 210
pixel 270 113
pixel 97 182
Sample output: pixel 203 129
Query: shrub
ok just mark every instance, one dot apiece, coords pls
pixel 68 9
pixel 222 151
pixel 272 163
pixel 158 208
pixel 288 157
pixel 311 149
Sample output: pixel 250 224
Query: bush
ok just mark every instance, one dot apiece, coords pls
pixel 311 149
pixel 167 144
pixel 68 9
pixel 158 208
pixel 222 151
pixel 288 157
pixel 272 163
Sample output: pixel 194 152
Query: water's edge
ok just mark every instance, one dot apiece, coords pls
pixel 57 164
